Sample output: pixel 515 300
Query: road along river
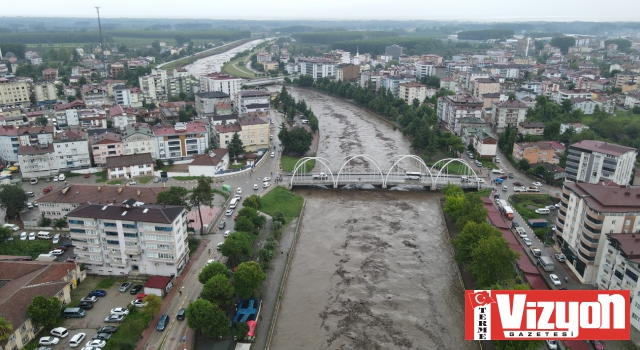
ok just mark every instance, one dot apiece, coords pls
pixel 372 268
pixel 213 64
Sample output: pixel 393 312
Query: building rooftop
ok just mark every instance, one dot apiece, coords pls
pixel 74 104
pixel 607 198
pixel 129 160
pixel 36 130
pixel 8 130
pixel 161 214
pixel 95 194
pixel 212 159
pixel 107 137
pixel 511 104
pixel 532 124
pixel 602 147
pixel 481 132
pixel 228 128
pixel 251 120
pixel 412 84
pixel 181 128
pixel 628 243
pixel 35 149
pixel 212 94
pixel 71 135
pixel 250 93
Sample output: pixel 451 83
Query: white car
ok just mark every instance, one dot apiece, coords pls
pixel 560 257
pixel 210 261
pixel 555 280
pixel 220 244
pixel 527 241
pixel 266 184
pixel 255 186
pixel 113 318
pixel 542 211
pixel 59 332
pixel 119 311
pixel 56 252
pixel 229 212
pixel 521 232
pixel 55 178
pixel 32 236
pixel 239 190
pixel 266 179
pixel 237 196
pixel 273 154
pixel 97 343
pixel 138 303
pixel 132 183
pixel 537 184
pixel 49 341
pixel 226 233
pixel 23 236
pixel 61 177
pixel 552 344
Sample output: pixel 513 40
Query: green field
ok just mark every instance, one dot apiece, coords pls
pixel 241 71
pixel 288 163
pixel 284 200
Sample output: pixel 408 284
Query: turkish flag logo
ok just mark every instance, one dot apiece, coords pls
pixel 480 298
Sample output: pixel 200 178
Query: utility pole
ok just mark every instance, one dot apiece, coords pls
pixel 100 30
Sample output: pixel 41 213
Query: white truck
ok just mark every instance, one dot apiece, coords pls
pixel 520 189
pixel 320 176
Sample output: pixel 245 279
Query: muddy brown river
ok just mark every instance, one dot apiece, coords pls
pixel 372 269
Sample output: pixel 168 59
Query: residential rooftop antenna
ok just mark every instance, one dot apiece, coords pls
pixel 100 29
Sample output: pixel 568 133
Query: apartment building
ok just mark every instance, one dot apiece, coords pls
pixel 46 93
pixel 95 95
pixel 411 91
pixel 347 71
pixel 510 112
pixel 14 92
pixel 392 83
pixel 536 152
pixel 531 128
pixel 452 108
pixel 181 141
pixel 594 161
pixel 619 269
pixel 50 74
pixel 622 78
pixel 38 160
pixel 122 95
pixel 425 69
pixel 587 214
pixel 220 82
pixel 562 95
pixel 72 150
pixel 138 139
pixel 207 101
pixel 483 86
pixel 36 135
pixel 255 132
pixel 148 88
pixel 130 237
pixel 22 281
pixel 9 143
pixel 316 67
pixel 224 133
pixel 121 117
pixel 252 101
pixel 129 166
pixel 104 146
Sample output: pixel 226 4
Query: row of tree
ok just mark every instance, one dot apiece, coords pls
pixel 328 37
pixel 287 103
pixel 485 34
pixel 411 45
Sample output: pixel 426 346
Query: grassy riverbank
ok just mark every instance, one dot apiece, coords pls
pixel 188 60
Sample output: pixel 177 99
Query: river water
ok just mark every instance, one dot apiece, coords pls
pixel 372 268
pixel 213 64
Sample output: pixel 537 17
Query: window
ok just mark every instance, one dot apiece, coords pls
pixel 95 258
pixel 129 225
pixel 22 328
pixel 25 339
pixel 109 224
pixel 111 233
pixel 635 317
pixel 161 228
pixel 113 242
pixel 158 238
pixel 94 250
pixel 131 235
pixel 76 222
pixel 77 230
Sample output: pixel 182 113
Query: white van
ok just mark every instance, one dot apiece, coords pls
pixel 234 203
pixel 12 227
pixel 56 238
pixel 44 235
pixel 546 263
pixel 498 171
pixel 542 211
pixel 77 340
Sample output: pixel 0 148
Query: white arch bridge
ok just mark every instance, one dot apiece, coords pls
pixel 364 169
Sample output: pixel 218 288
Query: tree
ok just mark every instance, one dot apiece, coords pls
pixel 266 255
pixel 201 195
pixel 249 213
pixel 240 330
pixel 472 209
pixel 154 303
pixel 523 164
pixel 211 270
pixel 237 243
pixel 82 80
pixel 278 216
pixel 244 224
pixel 492 261
pixel 518 344
pixel 469 237
pixel 296 141
pixel 247 278
pixel 176 195
pixel 563 43
pixel 159 164
pixel 60 223
pixel 13 198
pixel 42 121
pixel 5 233
pixel 218 291
pixel 253 201
pixel 235 146
pixel 44 312
pixel 207 318
pixel 6 330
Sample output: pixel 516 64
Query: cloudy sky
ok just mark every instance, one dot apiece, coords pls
pixel 474 10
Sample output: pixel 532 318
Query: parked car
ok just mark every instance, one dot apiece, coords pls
pixel 12 227
pixel 138 303
pixel 537 184
pixel 32 236
pixel 71 259
pixel 535 250
pixel 517 183
pixel 515 225
pixel 33 181
pixel 107 329
pixel 235 217
pixel 222 225
pixel 527 241
pixel 102 336
pixel 510 175
pixel 555 280
pixel 56 252
pixel 31 194
pixel 551 207
pixel 226 233
pixel 86 176
pixel 229 212
pixel 163 322
pixel 114 318
pixel 597 344
pixel 136 289
pixel 89 298
pixel 156 180
pixel 132 183
pixel 560 257
pixel 552 344
pixel 119 311
pixel 29 205
pixel 63 248
pixel 239 190
pixel 220 244
pixel 521 232
pixel 273 154
pixel 23 236
pixel 266 184
pixel 97 343
pixel 85 305
pixel 255 186
pixel 141 296
pixel 266 179
pixel 59 332
pixel 49 341
pixel 98 293
pixel 67 244
pixel 181 314
pixel 125 286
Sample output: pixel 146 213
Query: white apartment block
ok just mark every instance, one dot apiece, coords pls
pixel 562 95
pixel 14 92
pixel 452 108
pixel 122 95
pixel 252 101
pixel 619 269
pixel 9 143
pixel 587 213
pixel 130 237
pixel 595 161
pixel 410 91
pixel 181 141
pixel 36 135
pixel 46 93
pixel 425 69
pixel 38 161
pixel 130 166
pixel 72 150
pixel 228 84
pixel 508 113
pixel 136 140
pixel 316 67
pixel 148 88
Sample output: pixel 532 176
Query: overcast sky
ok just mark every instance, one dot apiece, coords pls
pixel 474 10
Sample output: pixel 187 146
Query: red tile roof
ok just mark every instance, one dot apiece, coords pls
pixel 157 282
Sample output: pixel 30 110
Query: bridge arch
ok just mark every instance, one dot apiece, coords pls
pixel 401 158
pixel 352 157
pixel 448 161
pixel 304 160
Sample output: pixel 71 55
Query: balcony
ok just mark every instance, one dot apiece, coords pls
pixel 132 250
pixel 596 222
pixel 566 196
pixel 593 229
pixel 586 257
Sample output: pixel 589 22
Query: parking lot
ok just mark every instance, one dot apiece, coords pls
pixel 94 318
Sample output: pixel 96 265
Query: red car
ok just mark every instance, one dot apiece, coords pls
pixel 141 296
pixel 235 217
pixel 63 248
pixel 502 177
pixel 86 176
pixel 71 259
pixel 597 344
pixel 518 183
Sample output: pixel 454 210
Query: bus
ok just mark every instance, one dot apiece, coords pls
pixel 412 175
